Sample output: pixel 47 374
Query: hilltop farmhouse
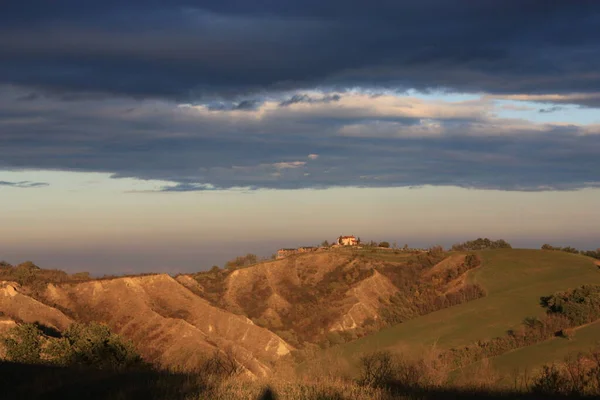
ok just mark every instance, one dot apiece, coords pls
pixel 340 241
pixel 347 241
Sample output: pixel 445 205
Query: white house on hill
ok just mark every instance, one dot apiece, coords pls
pixel 347 241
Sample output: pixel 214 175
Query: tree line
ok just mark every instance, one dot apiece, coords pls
pixel 568 249
pixel 481 244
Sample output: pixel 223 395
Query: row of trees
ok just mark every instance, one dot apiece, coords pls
pixel 481 244
pixel 573 250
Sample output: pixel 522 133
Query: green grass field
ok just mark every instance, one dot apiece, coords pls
pixel 514 279
pixel 532 357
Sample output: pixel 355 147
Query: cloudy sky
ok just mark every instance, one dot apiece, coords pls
pixel 174 135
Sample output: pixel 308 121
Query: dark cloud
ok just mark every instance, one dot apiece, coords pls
pixel 304 98
pixel 198 149
pixel 550 109
pixel 23 184
pixel 91 86
pixel 227 49
pixel 244 105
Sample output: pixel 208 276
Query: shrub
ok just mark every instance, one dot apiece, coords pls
pixel 23 344
pixel 384 244
pixel 376 369
pixel 95 345
pixel 576 376
pixel 551 382
pixel 90 345
pixel 242 261
pixel 580 305
pixel 567 333
pixel 222 364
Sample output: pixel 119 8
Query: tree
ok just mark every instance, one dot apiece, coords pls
pixel 384 244
pixel 436 251
pixel 377 369
pixel 481 244
pixel 215 269
pixel 23 344
pixel 95 345
pixel 324 243
pixel 90 345
pixel 242 261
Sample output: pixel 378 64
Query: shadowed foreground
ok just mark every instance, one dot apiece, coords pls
pixel 22 381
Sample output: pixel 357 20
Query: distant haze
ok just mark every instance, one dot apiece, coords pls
pixel 100 228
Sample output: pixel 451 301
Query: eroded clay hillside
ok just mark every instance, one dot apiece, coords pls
pixel 170 325
pixel 328 295
pixel 261 313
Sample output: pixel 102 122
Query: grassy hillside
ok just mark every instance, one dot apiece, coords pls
pixel 514 279
pixel 533 357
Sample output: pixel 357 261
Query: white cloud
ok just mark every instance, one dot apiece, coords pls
pixel 289 165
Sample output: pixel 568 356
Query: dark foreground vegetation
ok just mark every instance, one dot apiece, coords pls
pixel 576 377
pixel 383 377
pixel 89 362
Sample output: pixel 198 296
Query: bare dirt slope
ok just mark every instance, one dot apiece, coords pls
pixel 314 293
pixel 446 264
pixel 20 307
pixel 168 323
pixel 304 297
pixel 366 298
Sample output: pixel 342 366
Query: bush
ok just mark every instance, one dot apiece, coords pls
pixel 90 345
pixel 576 376
pixel 551 382
pixel 242 261
pixel 94 345
pixel 384 244
pixel 580 305
pixel 376 369
pixel 567 333
pixel 222 364
pixel 23 344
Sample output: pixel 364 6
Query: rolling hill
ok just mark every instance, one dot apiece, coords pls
pixel 514 280
pixel 266 311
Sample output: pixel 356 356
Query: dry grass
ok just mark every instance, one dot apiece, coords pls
pixel 244 389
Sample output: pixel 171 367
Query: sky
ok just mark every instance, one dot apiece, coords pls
pixel 169 136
